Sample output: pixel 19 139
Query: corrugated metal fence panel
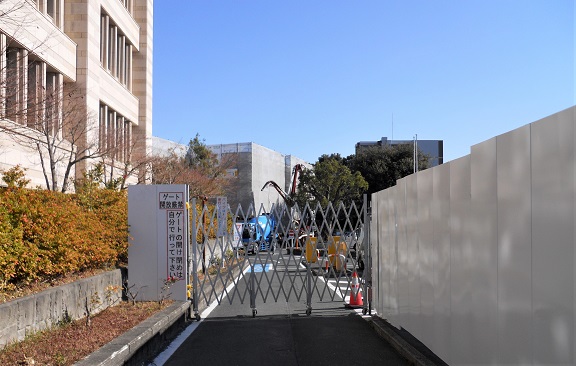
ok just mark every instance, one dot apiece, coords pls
pixel 375 237
pixel 387 294
pixel 483 270
pixel 439 215
pixel 514 247
pixel 402 264
pixel 426 253
pixel 460 261
pixel 393 258
pixel 412 256
pixel 553 240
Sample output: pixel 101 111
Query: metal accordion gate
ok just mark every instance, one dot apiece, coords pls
pixel 258 255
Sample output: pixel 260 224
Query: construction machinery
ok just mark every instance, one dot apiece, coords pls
pixel 287 197
pixel 296 232
pixel 258 234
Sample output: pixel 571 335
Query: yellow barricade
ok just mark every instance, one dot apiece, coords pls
pixel 337 250
pixel 311 251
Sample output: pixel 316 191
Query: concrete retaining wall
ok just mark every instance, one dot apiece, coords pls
pixel 40 311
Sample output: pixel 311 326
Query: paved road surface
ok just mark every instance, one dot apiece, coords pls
pixel 281 334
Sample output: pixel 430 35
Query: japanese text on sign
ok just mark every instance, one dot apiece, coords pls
pixel 171 200
pixel 176 243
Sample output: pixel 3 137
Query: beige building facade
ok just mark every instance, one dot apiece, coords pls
pixel 75 81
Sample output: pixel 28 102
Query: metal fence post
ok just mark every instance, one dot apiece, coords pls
pixel 252 287
pixel 367 283
pixel 195 282
pixel 308 290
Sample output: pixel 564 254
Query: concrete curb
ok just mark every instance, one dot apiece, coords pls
pixel 147 339
pixel 410 353
pixel 142 341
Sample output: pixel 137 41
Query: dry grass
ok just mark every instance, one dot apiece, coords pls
pixel 68 343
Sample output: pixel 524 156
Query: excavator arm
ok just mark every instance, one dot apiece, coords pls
pixel 297 169
pixel 289 201
pixel 287 197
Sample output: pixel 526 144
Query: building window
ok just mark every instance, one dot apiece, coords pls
pixel 16 89
pixel 115 134
pixel 104 40
pixel 36 94
pixel 115 51
pixel 44 100
pixel 53 103
pixel 128 5
pixel 51 8
pixel 32 93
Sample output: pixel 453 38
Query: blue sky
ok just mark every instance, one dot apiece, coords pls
pixel 313 77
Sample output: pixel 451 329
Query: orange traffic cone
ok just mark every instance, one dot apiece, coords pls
pixel 355 293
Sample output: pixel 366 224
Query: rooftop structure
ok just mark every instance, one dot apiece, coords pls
pixel 433 148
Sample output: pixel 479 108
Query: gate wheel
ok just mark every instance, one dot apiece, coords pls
pixel 308 312
pixel 254 312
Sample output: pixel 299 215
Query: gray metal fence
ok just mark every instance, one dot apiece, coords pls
pixel 260 255
pixel 476 257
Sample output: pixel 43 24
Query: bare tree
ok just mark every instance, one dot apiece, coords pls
pixel 199 168
pixel 127 164
pixel 61 130
pixel 169 167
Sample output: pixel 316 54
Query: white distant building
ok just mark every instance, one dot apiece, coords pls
pixel 165 148
pixel 249 167
pixel 253 166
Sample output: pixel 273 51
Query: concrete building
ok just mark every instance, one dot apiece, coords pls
pixel 249 166
pixel 163 147
pixel 88 58
pixel 433 148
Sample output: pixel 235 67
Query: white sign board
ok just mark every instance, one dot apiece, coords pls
pixel 159 234
pixel 222 215
pixel 237 242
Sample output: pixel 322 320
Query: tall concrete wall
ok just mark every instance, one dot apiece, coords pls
pixel 476 257
pixel 254 166
pixel 267 165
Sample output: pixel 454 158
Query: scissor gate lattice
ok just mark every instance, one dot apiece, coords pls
pixel 296 248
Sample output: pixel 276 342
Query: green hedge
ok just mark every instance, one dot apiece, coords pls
pixel 45 234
